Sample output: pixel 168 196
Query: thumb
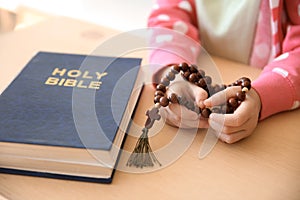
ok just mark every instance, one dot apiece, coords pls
pixel 200 95
pixel 221 97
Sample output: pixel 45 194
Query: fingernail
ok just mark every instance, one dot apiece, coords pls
pixel 207 102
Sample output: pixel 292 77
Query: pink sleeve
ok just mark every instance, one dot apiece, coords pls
pixel 175 33
pixel 279 83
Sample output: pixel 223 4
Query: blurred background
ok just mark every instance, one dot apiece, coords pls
pixel 121 15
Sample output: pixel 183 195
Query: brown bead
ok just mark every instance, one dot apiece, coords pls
pixel 205 113
pixel 156 99
pixel 243 79
pixel 240 96
pixel 208 80
pixel 165 81
pixel 193 78
pixel 175 69
pixel 246 84
pixel 173 98
pixel 161 87
pixel 237 83
pixel 170 76
pixel 229 109
pixel 218 88
pixel 201 73
pixel 184 66
pixel 198 84
pixel 202 83
pixel 159 93
pixel 233 102
pixel 164 101
pixel 210 90
pixel 186 75
pixel 216 110
pixel 223 109
pixel 193 69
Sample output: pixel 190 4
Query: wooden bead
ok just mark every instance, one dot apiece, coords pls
pixel 205 113
pixel 170 76
pixel 193 78
pixel 237 83
pixel 164 101
pixel 201 73
pixel 186 75
pixel 165 81
pixel 216 110
pixel 159 93
pixel 218 88
pixel 202 83
pixel 208 80
pixel 193 69
pixel 233 102
pixel 240 96
pixel 209 89
pixel 229 109
pixel 156 99
pixel 175 69
pixel 243 79
pixel 246 84
pixel 184 66
pixel 173 98
pixel 223 109
pixel 161 87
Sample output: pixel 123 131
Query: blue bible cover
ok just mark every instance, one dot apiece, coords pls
pixel 67 100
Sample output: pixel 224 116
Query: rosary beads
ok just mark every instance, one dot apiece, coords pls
pixel 142 155
pixel 198 78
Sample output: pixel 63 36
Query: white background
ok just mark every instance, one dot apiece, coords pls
pixel 118 14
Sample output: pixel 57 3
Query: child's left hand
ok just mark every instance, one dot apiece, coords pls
pixel 242 122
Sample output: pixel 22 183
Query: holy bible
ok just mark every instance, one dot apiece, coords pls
pixel 66 116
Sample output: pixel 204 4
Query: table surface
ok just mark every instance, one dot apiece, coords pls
pixel 264 166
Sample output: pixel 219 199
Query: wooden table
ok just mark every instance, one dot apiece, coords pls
pixel 264 166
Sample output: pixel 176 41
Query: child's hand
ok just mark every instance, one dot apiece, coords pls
pixel 242 122
pixel 180 116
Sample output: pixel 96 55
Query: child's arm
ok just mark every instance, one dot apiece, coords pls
pixel 175 40
pixel 279 84
pixel 177 19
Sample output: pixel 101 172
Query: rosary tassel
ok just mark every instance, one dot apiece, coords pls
pixel 142 155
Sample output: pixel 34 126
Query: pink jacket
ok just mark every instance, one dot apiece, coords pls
pixel 279 83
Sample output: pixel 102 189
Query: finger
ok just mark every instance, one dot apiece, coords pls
pixel 200 95
pixel 176 120
pixel 238 118
pixel 232 138
pixel 183 112
pixel 233 120
pixel 185 117
pixel 222 96
pixel 221 128
pixel 182 88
